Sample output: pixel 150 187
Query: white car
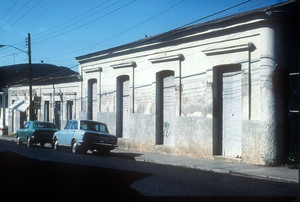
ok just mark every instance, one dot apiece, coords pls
pixel 83 135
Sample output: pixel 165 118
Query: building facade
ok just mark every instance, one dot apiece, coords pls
pixel 56 103
pixel 55 92
pixel 211 89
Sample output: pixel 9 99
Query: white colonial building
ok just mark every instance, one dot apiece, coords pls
pixel 207 90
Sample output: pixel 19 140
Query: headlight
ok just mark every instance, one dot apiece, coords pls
pixel 32 136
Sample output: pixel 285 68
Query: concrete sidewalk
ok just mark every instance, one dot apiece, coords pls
pixel 282 174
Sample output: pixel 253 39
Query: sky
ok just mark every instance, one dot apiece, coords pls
pixel 61 30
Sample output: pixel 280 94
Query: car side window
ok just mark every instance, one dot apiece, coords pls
pixel 103 128
pixel 27 125
pixel 75 125
pixel 68 126
pixel 83 126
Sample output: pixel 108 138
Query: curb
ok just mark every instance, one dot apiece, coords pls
pixel 219 170
pixel 9 139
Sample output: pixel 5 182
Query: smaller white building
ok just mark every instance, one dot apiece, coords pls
pixel 56 98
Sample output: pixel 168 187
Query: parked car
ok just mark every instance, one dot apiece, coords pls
pixel 83 135
pixel 36 132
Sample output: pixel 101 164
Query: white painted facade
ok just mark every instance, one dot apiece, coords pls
pixel 58 103
pixel 202 91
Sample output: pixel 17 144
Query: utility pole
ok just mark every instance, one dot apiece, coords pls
pixel 31 110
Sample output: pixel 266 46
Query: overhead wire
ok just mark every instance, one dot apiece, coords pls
pixel 33 19
pixel 124 31
pixel 16 14
pixel 166 32
pixel 81 15
pixel 3 16
pixel 198 19
pixel 33 7
pixel 173 29
pixel 159 14
pixel 87 23
pixel 36 80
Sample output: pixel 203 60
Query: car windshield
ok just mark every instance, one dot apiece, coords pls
pixel 94 126
pixel 43 125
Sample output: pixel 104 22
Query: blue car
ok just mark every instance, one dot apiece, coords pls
pixel 35 132
pixel 83 135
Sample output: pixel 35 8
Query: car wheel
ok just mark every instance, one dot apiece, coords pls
pixel 55 145
pixel 29 142
pixel 74 147
pixel 19 141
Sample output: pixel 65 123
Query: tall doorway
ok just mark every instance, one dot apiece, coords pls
pixel 228 104
pixel 92 99
pixel 123 106
pixel 57 114
pixel 165 108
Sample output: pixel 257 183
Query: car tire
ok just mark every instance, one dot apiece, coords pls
pixel 55 145
pixel 19 142
pixel 29 142
pixel 74 147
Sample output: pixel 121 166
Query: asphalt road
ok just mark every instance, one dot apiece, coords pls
pixel 38 174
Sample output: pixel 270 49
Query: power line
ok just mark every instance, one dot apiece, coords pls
pixel 70 20
pixel 173 31
pixel 160 36
pixel 120 33
pixel 38 16
pixel 15 14
pixel 216 13
pixel 87 23
pixel 3 16
pixel 33 7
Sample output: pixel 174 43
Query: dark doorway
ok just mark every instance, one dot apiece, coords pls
pixel 57 114
pixel 165 107
pixel 92 99
pixel 123 106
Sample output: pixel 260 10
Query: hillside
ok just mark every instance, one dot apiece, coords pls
pixel 41 74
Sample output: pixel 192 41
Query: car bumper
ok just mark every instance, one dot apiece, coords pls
pixel 98 145
pixel 42 138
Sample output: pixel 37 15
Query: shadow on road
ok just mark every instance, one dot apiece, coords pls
pixel 34 180
pixel 27 179
pixel 123 155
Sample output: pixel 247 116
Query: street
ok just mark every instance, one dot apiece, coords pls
pixel 38 174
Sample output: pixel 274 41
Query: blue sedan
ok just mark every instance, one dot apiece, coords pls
pixel 36 132
pixel 83 135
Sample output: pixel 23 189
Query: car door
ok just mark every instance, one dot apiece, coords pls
pixel 22 132
pixel 71 131
pixel 61 138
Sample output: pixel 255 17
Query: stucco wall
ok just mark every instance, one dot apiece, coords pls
pixel 198 61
